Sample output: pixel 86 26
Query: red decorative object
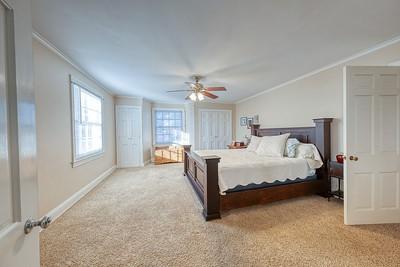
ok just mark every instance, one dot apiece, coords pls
pixel 339 158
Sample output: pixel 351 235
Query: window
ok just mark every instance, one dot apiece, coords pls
pixel 168 126
pixel 87 123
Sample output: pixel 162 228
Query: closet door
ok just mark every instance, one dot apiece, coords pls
pixel 215 127
pixel 129 136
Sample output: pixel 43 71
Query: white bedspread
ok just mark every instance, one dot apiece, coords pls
pixel 241 167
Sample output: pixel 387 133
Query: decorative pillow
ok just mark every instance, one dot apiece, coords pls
pixel 305 151
pixel 310 153
pixel 290 149
pixel 272 146
pixel 254 143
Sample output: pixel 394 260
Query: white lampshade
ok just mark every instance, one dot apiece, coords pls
pixel 193 96
pixel 200 96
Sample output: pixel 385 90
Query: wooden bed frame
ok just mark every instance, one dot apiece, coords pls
pixel 202 172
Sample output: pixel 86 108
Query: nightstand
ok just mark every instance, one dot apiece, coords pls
pixel 336 172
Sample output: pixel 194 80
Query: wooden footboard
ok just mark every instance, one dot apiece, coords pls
pixel 202 173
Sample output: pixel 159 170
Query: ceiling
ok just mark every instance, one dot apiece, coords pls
pixel 143 48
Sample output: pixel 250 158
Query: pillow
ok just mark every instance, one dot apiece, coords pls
pixel 290 149
pixel 305 151
pixel 254 142
pixel 272 146
pixel 310 153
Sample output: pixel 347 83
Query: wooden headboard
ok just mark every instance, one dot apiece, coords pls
pixel 319 135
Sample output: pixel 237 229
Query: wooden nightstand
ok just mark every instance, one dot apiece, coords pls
pixel 236 147
pixel 336 172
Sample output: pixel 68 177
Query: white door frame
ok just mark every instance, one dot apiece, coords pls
pixel 218 110
pixel 141 132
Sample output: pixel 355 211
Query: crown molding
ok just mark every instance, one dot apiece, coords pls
pixel 335 64
pixel 58 52
pixel 129 97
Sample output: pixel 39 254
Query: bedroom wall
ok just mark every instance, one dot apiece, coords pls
pixel 128 101
pixel 316 96
pixel 56 178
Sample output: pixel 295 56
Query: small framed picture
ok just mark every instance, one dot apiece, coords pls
pixel 243 121
pixel 249 122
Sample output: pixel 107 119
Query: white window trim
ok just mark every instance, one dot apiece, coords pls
pixel 153 122
pixel 78 161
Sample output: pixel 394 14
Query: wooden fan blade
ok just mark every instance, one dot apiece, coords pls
pixel 173 91
pixel 215 89
pixel 205 93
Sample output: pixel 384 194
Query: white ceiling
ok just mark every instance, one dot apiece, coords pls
pixel 147 47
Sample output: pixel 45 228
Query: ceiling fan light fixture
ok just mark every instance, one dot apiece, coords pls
pixel 193 96
pixel 200 96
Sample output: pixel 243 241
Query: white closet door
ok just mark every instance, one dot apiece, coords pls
pixel 372 122
pixel 129 136
pixel 215 129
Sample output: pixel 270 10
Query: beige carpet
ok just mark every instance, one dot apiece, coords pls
pixel 151 217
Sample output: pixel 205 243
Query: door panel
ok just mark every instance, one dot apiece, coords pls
pixel 372 121
pixel 389 190
pixel 363 123
pixel 388 130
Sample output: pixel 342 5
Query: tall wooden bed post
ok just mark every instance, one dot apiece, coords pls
pixel 323 143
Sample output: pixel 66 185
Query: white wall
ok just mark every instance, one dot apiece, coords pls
pixel 57 179
pixel 317 96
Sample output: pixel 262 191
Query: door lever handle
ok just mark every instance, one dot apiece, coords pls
pixel 30 224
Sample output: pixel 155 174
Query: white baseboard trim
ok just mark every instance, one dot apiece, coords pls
pixel 67 204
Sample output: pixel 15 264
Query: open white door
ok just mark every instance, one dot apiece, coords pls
pixel 18 183
pixel 372 145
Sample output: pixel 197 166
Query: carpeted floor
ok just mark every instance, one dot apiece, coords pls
pixel 151 217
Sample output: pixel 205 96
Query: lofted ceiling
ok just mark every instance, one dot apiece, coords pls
pixel 143 48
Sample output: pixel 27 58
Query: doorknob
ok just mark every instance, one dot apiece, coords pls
pixel 30 224
pixel 355 158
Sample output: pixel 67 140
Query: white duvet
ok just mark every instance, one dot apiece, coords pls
pixel 242 167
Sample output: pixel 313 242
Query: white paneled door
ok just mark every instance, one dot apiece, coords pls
pixel 129 136
pixel 18 180
pixel 215 128
pixel 372 167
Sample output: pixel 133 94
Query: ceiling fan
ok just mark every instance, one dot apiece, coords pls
pixel 198 91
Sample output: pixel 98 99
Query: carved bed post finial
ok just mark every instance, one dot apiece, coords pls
pixel 254 128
